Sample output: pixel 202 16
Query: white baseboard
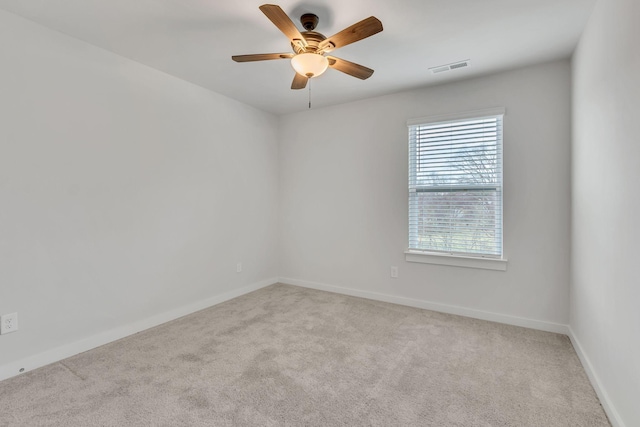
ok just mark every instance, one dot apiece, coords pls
pixel 434 306
pixel 612 413
pixel 56 354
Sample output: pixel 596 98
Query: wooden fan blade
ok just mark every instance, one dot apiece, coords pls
pixel 262 57
pixel 299 82
pixel 284 23
pixel 358 31
pixel 351 68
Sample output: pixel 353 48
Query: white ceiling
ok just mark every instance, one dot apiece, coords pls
pixel 194 40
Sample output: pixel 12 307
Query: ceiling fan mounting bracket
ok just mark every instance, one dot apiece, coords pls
pixel 309 21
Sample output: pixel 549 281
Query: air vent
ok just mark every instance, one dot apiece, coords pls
pixel 449 67
pixel 439 69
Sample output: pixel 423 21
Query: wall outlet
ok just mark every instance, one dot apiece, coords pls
pixel 239 267
pixel 8 323
pixel 394 271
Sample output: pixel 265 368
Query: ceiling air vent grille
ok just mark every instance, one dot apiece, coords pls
pixel 449 67
pixel 439 69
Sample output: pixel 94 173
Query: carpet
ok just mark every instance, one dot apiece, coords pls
pixel 285 355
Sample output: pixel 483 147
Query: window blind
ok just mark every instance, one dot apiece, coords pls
pixel 455 186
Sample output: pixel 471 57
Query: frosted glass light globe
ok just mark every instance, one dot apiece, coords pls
pixel 309 64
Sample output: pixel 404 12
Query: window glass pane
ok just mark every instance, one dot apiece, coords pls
pixel 455 186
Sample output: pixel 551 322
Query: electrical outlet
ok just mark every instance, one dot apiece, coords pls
pixel 394 271
pixel 239 267
pixel 8 323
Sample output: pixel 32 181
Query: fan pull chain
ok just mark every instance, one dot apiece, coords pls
pixel 309 93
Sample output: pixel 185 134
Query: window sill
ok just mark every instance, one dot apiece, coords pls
pixel 456 260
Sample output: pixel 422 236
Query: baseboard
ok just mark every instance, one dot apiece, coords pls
pixel 428 305
pixel 56 354
pixel 612 413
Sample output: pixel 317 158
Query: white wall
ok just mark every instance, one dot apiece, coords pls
pixel 124 192
pixel 605 290
pixel 343 189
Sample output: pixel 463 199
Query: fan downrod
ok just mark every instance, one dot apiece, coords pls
pixel 309 21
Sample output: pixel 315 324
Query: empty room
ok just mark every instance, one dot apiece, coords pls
pixel 323 213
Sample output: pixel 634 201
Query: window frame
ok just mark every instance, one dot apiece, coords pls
pixel 461 259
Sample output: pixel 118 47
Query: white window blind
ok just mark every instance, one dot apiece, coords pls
pixel 455 185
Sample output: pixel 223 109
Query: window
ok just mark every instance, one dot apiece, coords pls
pixel 455 185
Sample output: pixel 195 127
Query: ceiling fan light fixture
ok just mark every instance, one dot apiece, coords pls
pixel 308 59
pixel 309 64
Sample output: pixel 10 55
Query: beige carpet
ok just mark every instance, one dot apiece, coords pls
pixel 291 356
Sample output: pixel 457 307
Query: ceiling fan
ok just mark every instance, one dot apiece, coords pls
pixel 310 47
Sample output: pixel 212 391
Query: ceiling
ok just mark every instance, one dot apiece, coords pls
pixel 195 39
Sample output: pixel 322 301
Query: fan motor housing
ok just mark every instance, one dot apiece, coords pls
pixel 313 40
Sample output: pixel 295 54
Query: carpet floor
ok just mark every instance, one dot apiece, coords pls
pixel 286 355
